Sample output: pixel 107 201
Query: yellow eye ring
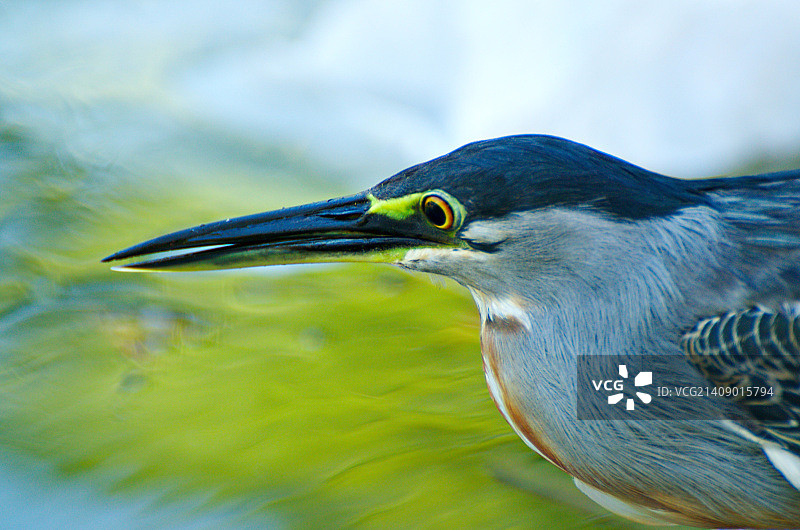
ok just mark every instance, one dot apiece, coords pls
pixel 438 212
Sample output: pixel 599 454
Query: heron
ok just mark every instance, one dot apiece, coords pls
pixel 573 256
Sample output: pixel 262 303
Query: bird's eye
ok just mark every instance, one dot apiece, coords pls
pixel 438 211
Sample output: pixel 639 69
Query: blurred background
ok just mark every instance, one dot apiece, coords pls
pixel 312 396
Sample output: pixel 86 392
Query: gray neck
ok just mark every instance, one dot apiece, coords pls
pixel 590 286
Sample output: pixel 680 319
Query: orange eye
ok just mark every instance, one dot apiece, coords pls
pixel 439 213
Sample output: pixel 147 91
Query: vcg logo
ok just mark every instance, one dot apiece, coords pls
pixel 618 385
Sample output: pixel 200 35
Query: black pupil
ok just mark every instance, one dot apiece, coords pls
pixel 435 213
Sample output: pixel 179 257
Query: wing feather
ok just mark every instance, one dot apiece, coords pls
pixel 754 349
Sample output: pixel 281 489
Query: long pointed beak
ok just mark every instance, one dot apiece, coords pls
pixel 331 231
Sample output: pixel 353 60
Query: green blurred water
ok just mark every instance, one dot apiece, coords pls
pixel 321 396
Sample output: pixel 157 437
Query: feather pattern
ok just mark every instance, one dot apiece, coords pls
pixel 756 354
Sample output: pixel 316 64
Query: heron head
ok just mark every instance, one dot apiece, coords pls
pixel 484 214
